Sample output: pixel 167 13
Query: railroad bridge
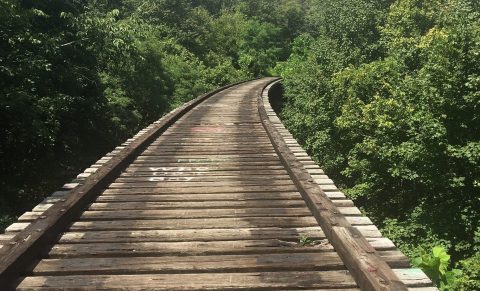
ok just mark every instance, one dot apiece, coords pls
pixel 216 195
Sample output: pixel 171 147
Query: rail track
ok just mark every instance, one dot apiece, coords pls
pixel 215 195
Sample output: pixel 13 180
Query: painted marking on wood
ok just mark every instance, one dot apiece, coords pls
pixel 177 179
pixel 179 169
pixel 203 160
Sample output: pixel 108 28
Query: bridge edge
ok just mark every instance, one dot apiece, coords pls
pixel 367 272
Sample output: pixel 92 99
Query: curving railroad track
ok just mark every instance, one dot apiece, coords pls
pixel 215 195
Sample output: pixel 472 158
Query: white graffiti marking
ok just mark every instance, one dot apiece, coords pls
pixel 179 169
pixel 172 179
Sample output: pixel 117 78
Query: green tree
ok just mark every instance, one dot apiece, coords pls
pixel 387 103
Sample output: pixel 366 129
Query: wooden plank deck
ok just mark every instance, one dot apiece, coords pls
pixel 211 204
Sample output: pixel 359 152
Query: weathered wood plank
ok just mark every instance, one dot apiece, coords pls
pixel 203 166
pixel 343 203
pixel 195 248
pixel 253 173
pixel 201 197
pixel 206 223
pixel 186 213
pixel 290 234
pixel 183 184
pixel 224 179
pixel 205 190
pixel 115 206
pixel 214 281
pixel 413 277
pixel 318 261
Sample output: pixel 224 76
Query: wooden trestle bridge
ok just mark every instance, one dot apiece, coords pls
pixel 215 195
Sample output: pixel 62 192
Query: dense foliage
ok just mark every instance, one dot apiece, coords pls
pixel 387 100
pixel 384 95
pixel 79 77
